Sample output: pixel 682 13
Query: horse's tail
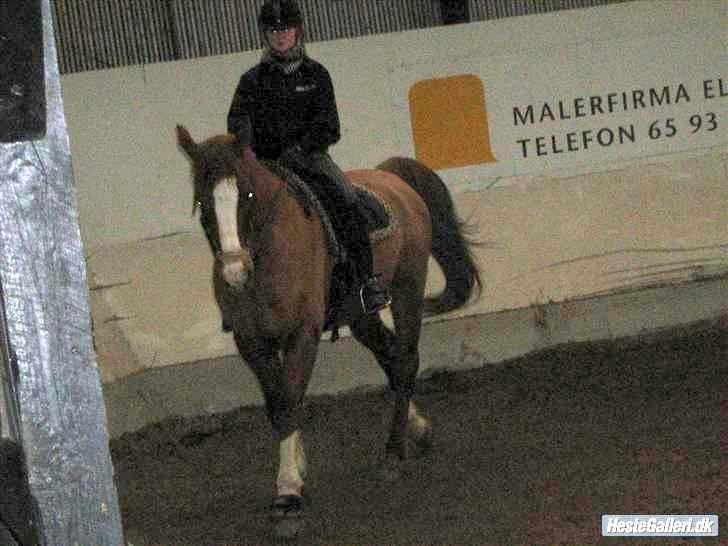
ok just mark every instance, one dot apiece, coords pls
pixel 451 247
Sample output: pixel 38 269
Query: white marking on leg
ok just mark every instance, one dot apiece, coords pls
pixel 234 263
pixel 292 465
pixel 418 424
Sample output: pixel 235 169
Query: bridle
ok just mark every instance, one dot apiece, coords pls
pixel 255 221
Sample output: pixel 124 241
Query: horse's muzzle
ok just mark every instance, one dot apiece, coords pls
pixel 236 267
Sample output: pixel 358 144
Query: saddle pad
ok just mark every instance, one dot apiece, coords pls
pixel 377 213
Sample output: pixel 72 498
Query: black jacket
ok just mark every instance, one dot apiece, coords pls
pixel 286 110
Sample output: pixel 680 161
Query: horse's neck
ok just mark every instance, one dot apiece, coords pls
pixel 267 185
pixel 271 196
pixel 279 216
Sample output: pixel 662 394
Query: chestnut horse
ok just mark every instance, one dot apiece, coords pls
pixel 275 272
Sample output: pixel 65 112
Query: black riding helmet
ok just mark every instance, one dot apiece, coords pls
pixel 279 14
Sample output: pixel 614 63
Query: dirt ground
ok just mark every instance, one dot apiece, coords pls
pixel 530 451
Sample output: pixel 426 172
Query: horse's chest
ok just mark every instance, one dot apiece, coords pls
pixel 267 308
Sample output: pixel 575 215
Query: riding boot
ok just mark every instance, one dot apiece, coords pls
pixel 353 226
pixel 373 294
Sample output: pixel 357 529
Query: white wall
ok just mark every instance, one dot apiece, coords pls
pixel 560 225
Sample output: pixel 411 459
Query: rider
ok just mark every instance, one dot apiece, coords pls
pixel 287 99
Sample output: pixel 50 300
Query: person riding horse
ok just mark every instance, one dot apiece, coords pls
pixel 272 271
pixel 286 103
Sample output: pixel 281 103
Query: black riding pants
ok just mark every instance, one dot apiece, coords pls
pixel 339 198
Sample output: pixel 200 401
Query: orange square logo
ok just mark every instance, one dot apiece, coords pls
pixel 449 122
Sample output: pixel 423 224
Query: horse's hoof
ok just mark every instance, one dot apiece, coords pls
pixel 287 513
pixel 391 469
pixel 288 529
pixel 425 443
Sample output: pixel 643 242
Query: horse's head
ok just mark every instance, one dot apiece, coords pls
pixel 224 191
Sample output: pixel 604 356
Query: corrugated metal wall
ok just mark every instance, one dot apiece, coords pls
pixel 98 34
pixel 483 10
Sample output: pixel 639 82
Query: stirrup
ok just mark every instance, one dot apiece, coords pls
pixel 383 295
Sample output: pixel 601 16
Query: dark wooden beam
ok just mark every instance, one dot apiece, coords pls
pixel 7 538
pixel 59 416
pixel 22 93
pixel 455 11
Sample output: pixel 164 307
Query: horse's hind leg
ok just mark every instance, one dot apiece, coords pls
pixel 408 423
pixel 398 356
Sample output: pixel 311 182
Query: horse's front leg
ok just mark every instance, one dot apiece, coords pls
pixel 299 356
pixel 284 380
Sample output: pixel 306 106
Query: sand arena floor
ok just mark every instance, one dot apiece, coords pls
pixel 530 451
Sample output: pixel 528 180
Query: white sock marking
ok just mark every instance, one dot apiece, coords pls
pixel 417 423
pixel 292 465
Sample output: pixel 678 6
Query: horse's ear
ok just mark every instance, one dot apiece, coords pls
pixel 184 139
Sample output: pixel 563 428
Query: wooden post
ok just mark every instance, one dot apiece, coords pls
pixel 59 417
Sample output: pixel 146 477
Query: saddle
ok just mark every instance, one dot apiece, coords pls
pixel 376 213
pixel 371 209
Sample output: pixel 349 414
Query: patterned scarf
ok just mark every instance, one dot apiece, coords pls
pixel 288 62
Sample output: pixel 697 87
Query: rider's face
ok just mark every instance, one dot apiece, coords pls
pixel 282 40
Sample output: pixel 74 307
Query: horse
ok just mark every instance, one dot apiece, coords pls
pixel 273 269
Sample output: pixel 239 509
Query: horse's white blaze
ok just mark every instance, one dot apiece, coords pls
pixel 292 465
pixel 418 424
pixel 226 210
